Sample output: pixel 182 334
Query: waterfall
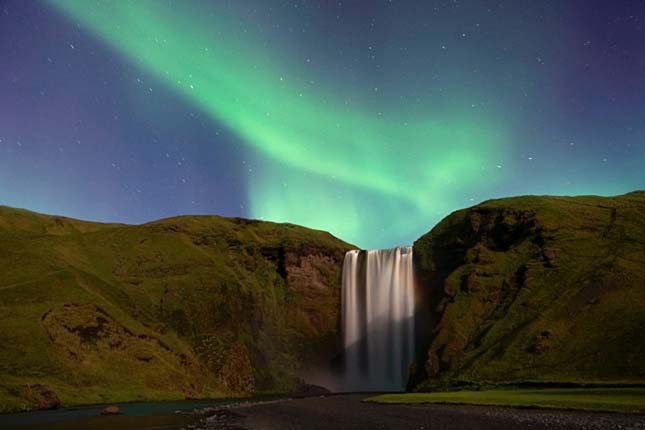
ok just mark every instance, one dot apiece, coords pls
pixel 378 318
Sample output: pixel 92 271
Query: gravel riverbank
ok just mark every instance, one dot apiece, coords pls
pixel 348 411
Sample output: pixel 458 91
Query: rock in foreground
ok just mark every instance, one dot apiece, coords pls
pixel 111 410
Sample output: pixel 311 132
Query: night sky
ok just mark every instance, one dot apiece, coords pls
pixel 370 119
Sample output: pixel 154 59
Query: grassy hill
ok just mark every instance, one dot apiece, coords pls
pixel 535 289
pixel 198 306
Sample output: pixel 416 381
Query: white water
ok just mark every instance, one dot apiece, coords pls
pixel 378 318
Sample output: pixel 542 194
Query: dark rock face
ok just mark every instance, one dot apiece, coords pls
pixel 534 289
pixel 309 390
pixel 42 396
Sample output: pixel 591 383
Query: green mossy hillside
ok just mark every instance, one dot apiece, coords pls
pixel 187 307
pixel 535 289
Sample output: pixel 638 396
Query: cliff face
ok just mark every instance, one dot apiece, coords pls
pixel 548 289
pixel 182 307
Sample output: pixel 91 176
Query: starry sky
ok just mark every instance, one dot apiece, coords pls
pixel 370 119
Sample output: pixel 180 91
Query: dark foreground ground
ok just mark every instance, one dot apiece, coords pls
pixel 349 412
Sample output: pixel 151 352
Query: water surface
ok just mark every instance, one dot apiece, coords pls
pixel 134 416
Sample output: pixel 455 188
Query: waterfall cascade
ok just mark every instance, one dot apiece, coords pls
pixel 378 318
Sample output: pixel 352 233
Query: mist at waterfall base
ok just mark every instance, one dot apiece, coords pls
pixel 377 319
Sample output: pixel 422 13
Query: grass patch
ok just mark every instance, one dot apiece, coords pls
pixel 625 400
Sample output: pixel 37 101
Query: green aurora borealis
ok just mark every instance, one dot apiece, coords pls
pixel 328 166
pixel 369 163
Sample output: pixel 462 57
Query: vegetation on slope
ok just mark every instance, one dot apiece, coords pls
pixel 187 307
pixel 544 289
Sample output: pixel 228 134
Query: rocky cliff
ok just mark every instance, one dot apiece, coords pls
pixel 188 307
pixel 535 289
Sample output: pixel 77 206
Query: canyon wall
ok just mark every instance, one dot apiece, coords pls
pixel 534 289
pixel 187 307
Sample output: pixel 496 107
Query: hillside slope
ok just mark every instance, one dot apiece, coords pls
pixel 546 289
pixel 198 306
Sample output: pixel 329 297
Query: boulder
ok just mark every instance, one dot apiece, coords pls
pixel 42 396
pixel 111 410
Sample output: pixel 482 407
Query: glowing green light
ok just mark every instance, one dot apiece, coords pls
pixel 369 179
